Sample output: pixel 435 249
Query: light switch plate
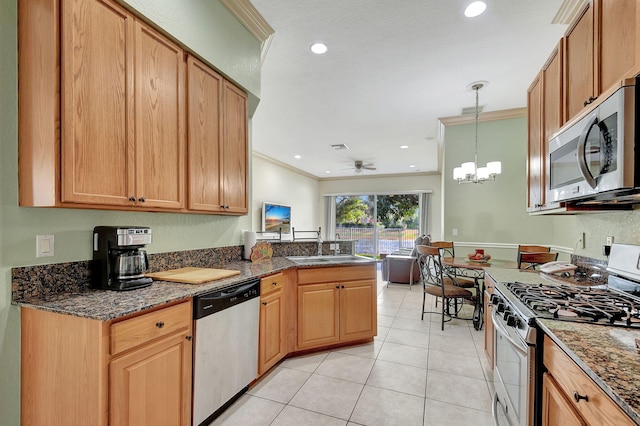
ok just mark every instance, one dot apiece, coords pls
pixel 44 245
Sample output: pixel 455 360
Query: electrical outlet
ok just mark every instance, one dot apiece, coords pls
pixel 581 243
pixel 454 232
pixel 609 241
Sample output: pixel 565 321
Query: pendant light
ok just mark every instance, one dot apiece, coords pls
pixel 469 172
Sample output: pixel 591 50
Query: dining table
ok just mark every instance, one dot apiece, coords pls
pixel 474 269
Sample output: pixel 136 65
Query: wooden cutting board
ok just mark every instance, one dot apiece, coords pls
pixel 193 275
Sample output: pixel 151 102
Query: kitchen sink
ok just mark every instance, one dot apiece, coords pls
pixel 320 260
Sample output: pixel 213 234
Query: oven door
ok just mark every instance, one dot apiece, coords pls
pixel 512 366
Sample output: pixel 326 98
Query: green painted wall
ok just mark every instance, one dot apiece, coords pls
pixel 493 212
pixel 217 36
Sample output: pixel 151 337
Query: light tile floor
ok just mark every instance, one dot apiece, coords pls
pixel 413 373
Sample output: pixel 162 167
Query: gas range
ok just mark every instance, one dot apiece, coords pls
pixel 597 305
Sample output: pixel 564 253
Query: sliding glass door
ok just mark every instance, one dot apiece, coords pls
pixel 379 223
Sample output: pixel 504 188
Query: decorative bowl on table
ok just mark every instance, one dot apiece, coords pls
pixel 479 257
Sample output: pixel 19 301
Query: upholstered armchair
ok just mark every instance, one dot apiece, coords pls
pixel 402 268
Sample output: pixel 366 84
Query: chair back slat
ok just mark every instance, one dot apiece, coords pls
pixel 533 249
pixel 446 248
pixel 534 259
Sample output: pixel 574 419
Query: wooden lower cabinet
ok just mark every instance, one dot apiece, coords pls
pixel 489 332
pixel 556 410
pixel 341 309
pixel 79 371
pixel 272 345
pixel 569 394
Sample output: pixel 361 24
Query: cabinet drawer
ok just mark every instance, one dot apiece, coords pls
pixel 337 274
pixel 144 328
pixel 271 283
pixel 598 408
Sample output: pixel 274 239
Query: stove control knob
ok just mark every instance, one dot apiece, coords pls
pixel 494 299
pixel 507 314
pixel 513 321
pixel 501 307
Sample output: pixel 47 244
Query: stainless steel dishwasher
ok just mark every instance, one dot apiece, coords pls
pixel 225 348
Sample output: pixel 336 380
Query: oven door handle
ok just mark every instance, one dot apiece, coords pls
pixel 582 152
pixel 498 326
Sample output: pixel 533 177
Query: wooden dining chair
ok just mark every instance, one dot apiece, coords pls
pixel 533 249
pixel 446 248
pixel 438 283
pixel 532 260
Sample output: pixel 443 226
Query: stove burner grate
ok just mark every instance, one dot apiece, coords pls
pixel 576 303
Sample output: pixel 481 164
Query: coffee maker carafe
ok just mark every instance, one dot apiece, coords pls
pixel 119 263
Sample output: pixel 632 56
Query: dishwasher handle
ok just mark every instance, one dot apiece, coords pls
pixel 213 302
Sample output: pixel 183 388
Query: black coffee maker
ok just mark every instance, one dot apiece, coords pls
pixel 118 261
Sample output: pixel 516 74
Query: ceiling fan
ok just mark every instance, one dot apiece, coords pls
pixel 359 166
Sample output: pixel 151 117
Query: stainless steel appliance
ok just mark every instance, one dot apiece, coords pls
pixel 518 362
pixel 595 158
pixel 225 357
pixel 119 263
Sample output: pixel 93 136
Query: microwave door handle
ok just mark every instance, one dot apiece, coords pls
pixel 582 151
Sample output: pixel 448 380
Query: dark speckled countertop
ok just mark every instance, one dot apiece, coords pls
pixel 607 354
pixel 106 305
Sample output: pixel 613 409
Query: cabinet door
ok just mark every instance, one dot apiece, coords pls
pixel 272 328
pixel 535 172
pixel 159 112
pixel 579 79
pixel 204 96
pixel 234 149
pixel 358 319
pixel 555 408
pixel 97 118
pixel 616 41
pixel 489 332
pixel 318 314
pixel 152 385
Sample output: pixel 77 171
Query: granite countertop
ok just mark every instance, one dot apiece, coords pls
pixel 105 305
pixel 607 354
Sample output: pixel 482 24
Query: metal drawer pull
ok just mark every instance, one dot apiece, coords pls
pixel 160 324
pixel 577 397
pixel 274 283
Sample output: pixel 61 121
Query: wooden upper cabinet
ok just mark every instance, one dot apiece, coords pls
pixel 159 111
pixel 552 109
pixel 579 63
pixel 97 149
pixel 535 180
pixel 204 97
pixel 234 149
pixel 102 117
pixel 616 40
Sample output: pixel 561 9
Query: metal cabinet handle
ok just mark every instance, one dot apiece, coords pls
pixel 264 303
pixel 274 283
pixel 189 338
pixel 141 199
pixel 577 397
pixel 160 324
pixel 132 199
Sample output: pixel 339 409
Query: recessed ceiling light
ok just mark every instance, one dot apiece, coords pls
pixel 404 146
pixel 319 48
pixel 327 171
pixel 412 165
pixel 297 157
pixel 474 9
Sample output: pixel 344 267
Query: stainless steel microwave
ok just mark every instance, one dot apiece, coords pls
pixel 595 158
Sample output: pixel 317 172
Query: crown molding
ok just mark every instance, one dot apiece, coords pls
pixel 249 16
pixel 284 165
pixel 485 116
pixel 567 12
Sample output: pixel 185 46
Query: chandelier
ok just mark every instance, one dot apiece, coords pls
pixel 469 172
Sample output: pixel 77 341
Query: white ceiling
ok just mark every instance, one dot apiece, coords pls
pixel 393 67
